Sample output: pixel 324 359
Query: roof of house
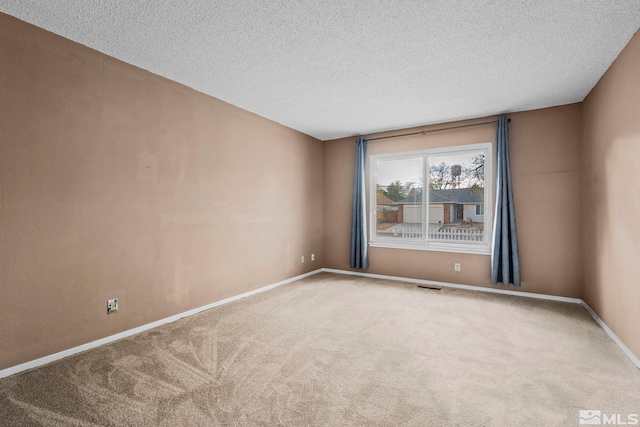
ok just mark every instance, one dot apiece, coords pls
pixel 383 200
pixel 450 195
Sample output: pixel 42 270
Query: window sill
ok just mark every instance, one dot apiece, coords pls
pixel 453 248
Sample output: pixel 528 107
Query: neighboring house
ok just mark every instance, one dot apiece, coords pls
pixel 386 210
pixel 383 203
pixel 449 206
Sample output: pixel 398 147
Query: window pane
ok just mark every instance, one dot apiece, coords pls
pixel 399 212
pixel 456 197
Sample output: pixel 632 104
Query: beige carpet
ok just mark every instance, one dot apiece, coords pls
pixel 339 351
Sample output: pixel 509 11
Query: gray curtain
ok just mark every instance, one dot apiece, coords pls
pixel 359 255
pixel 505 262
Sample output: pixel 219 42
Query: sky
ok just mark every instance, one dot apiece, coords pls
pixel 410 170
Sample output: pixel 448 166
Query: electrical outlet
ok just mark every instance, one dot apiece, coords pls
pixel 112 306
pixel 456 266
pixel 313 257
pixel 302 259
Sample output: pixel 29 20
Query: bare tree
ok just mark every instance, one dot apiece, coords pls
pixel 470 174
pixel 474 173
pixel 440 177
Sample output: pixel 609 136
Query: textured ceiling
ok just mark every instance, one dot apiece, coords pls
pixel 334 68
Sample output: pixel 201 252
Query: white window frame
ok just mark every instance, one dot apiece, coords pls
pixel 481 209
pixel 424 243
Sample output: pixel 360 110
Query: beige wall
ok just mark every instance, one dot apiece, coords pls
pixel 611 201
pixel 545 153
pixel 115 182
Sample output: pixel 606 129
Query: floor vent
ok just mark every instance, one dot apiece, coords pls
pixel 431 288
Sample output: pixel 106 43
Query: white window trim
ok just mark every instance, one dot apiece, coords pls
pixel 424 244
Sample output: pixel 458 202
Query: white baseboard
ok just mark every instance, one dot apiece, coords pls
pixel 613 336
pixel 455 285
pixel 66 353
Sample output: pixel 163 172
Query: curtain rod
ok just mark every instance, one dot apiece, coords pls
pixel 424 132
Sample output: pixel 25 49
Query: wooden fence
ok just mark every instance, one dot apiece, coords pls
pixel 466 234
pixel 455 234
pixel 411 233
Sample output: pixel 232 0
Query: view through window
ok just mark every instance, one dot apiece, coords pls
pixel 451 211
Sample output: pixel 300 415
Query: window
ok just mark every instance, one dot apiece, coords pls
pixel 432 199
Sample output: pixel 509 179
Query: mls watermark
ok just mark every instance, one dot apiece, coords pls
pixel 597 417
